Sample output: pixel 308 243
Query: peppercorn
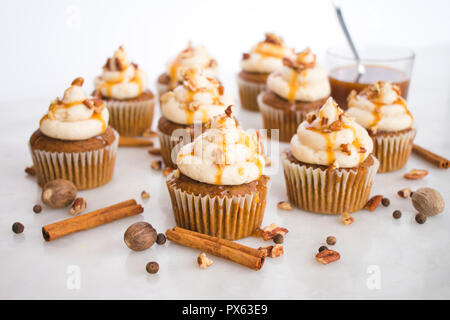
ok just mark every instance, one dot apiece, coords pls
pixel 278 239
pixel 37 208
pixel 421 218
pixel 17 227
pixel 160 238
pixel 331 240
pixel 322 248
pixel 397 214
pixel 385 202
pixel 152 267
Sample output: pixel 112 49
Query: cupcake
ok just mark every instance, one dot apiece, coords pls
pixel 74 141
pixel 383 112
pixel 329 167
pixel 299 87
pixel 186 109
pixel 191 57
pixel 123 86
pixel 219 188
pixel 264 58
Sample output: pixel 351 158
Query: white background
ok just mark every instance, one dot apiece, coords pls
pixel 45 44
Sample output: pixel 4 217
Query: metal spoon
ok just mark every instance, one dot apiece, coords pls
pixel 360 67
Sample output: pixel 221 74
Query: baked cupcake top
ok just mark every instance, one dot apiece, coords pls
pixel 191 57
pixel 120 79
pixel 380 107
pixel 223 155
pixel 300 79
pixel 76 116
pixel 329 137
pixel 267 56
pixel 196 99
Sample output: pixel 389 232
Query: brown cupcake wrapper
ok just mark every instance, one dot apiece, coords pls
pixel 229 218
pixel 393 151
pixel 248 93
pixel 86 170
pixel 169 148
pixel 131 118
pixel 286 122
pixel 320 191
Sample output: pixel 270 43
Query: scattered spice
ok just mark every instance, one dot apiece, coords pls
pixel 155 151
pixel 37 208
pixel 421 218
pixel 140 236
pixel 404 193
pixel 433 158
pixel 272 230
pixel 331 240
pixel 321 248
pixel 385 202
pixel 416 174
pixel 284 205
pixel 278 239
pixel 273 251
pixel 161 238
pixel 397 214
pixel 78 206
pixel 373 202
pixel 327 256
pixel 156 165
pixel 428 201
pixel 347 219
pixel 145 195
pixel 203 261
pixel 17 227
pixel 31 171
pixel 59 193
pixel 152 267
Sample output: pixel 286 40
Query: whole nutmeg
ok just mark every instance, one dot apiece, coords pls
pixel 140 236
pixel 59 193
pixel 428 201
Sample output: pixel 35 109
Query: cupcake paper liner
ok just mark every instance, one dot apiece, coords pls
pixel 86 170
pixel 230 218
pixel 169 147
pixel 131 118
pixel 248 93
pixel 322 191
pixel 393 151
pixel 285 121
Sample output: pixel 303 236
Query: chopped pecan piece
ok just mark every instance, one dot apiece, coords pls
pixel 273 251
pixel 404 193
pixel 347 219
pixel 373 202
pixel 203 261
pixel 327 256
pixel 78 82
pixel 272 230
pixel 416 174
pixel 79 205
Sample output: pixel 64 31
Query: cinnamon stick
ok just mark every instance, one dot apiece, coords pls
pixel 91 220
pixel 241 254
pixel 135 142
pixel 435 159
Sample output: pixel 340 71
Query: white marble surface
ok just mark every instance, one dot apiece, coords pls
pixel 412 260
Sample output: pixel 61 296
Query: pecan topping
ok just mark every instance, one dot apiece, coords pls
pixel 95 104
pixel 310 117
pixel 336 125
pixel 228 111
pixel 78 82
pixel 344 148
pixel 245 56
pixel 362 150
pixel 221 89
pixel 273 39
pixel 294 65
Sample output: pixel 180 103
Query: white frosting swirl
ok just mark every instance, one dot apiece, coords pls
pixel 267 56
pixel 301 79
pixel 223 155
pixel 191 57
pixel 331 138
pixel 197 99
pixel 380 107
pixel 120 78
pixel 71 118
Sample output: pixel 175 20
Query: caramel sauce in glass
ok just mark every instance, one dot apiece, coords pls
pixel 343 81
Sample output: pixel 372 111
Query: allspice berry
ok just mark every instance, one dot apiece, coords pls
pixel 59 193
pixel 421 218
pixel 397 214
pixel 17 227
pixel 428 201
pixel 278 239
pixel 331 240
pixel 161 238
pixel 152 267
pixel 37 208
pixel 140 236
pixel 322 248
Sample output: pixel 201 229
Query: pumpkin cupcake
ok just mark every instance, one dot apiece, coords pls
pixel 383 112
pixel 329 167
pixel 74 141
pixel 219 188
pixel 191 57
pixel 123 86
pixel 186 109
pixel 299 87
pixel 264 58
